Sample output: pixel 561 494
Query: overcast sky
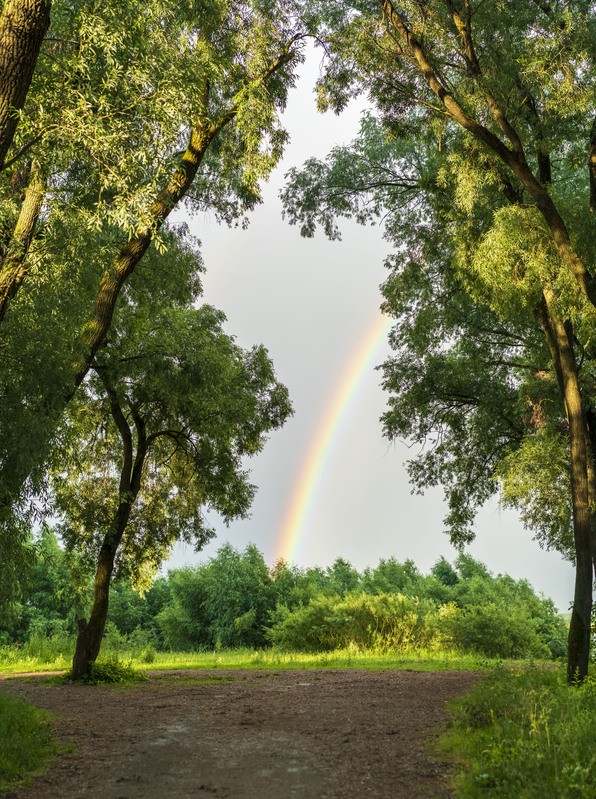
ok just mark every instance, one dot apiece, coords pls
pixel 312 302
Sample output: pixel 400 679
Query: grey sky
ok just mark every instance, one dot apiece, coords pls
pixel 310 302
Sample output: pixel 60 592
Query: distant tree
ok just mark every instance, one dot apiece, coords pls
pixel 342 577
pixel 392 577
pixel 238 597
pixel 52 595
pixel 444 572
pixel 182 621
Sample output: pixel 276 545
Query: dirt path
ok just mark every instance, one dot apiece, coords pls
pixel 249 735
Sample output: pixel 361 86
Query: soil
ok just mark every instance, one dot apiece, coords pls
pixel 248 735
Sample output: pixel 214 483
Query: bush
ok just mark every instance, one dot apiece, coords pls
pixel 110 671
pixel 47 649
pixel 497 631
pixel 381 622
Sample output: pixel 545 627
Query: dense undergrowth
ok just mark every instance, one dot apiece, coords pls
pixel 525 733
pixel 236 601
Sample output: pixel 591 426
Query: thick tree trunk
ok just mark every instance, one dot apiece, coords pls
pixel 592 167
pixel 23 24
pixel 91 632
pixel 591 422
pixel 561 348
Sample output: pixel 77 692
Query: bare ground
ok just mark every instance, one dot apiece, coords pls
pixel 248 735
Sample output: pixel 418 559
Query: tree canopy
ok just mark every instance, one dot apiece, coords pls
pixel 125 116
pixel 480 151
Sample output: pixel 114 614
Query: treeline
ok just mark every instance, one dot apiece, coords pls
pixel 236 600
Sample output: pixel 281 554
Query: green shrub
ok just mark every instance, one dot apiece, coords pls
pixel 382 622
pixel 110 671
pixel 497 631
pixel 148 655
pixel 48 648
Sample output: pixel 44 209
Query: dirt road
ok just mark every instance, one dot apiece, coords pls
pixel 248 735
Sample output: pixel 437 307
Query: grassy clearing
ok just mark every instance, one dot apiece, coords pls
pixel 423 660
pixel 26 741
pixel 525 733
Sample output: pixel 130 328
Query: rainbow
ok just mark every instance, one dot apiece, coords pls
pixel 322 443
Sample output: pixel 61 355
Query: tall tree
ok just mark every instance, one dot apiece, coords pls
pixel 158 433
pixel 477 268
pixel 127 116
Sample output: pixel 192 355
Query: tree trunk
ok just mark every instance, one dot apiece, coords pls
pixel 23 24
pixel 591 422
pixel 15 267
pixel 91 632
pixel 560 344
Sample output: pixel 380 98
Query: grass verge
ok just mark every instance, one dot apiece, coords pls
pixel 524 733
pixel 26 741
pixel 422 660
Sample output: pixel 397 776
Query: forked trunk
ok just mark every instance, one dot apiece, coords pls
pixel 91 632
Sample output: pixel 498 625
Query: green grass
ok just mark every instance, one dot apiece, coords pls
pixel 525 733
pixel 26 741
pixel 423 660
pixel 340 659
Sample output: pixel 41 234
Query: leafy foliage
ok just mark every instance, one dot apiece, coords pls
pixel 125 110
pixel 235 601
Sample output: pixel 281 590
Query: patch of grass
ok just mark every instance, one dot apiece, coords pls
pixel 111 671
pixel 427 660
pixel 525 733
pixel 419 660
pixel 26 741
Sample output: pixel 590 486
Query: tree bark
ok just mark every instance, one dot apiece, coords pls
pixel 592 167
pixel 591 423
pixel 14 267
pixel 23 25
pixel 560 344
pixel 91 632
